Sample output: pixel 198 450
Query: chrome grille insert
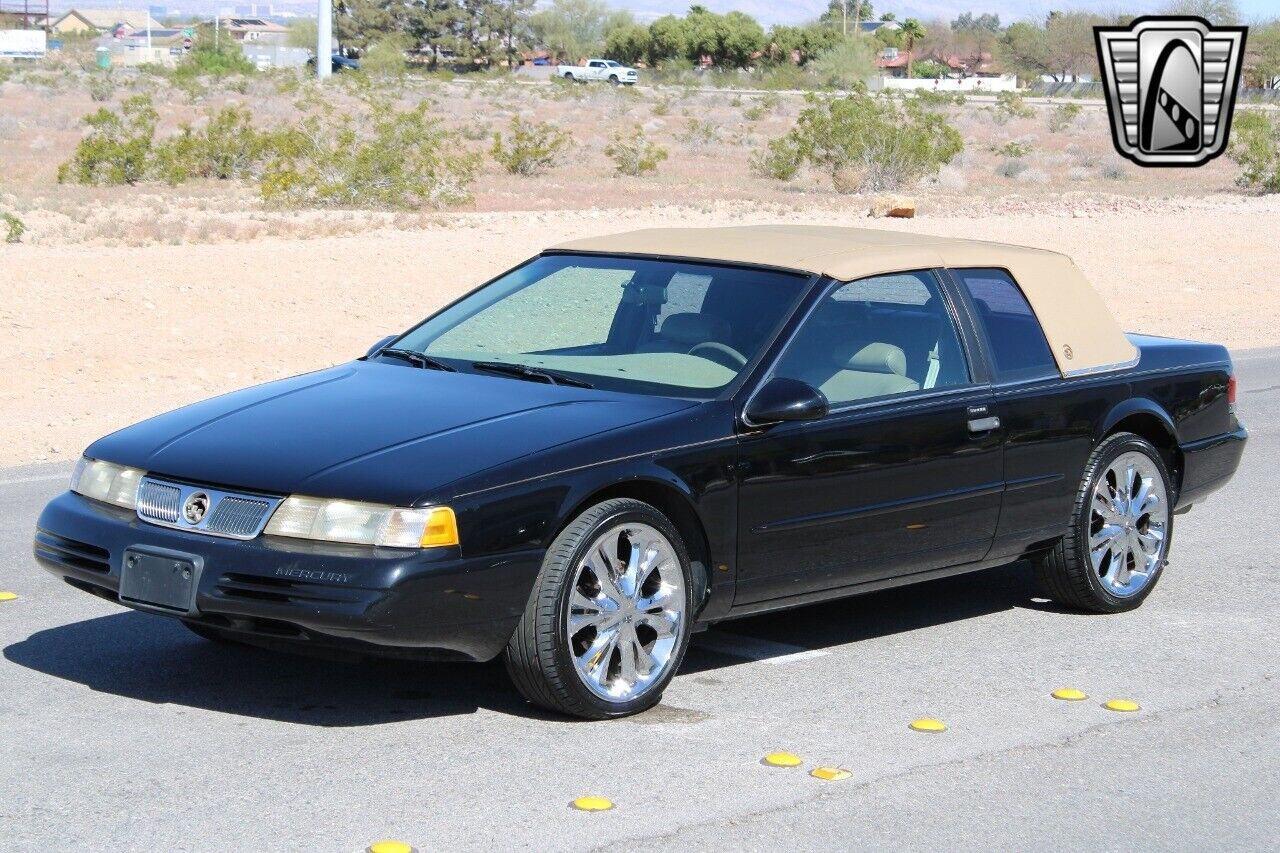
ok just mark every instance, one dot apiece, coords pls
pixel 212 511
pixel 158 501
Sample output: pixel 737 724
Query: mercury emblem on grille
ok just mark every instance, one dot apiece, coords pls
pixel 195 508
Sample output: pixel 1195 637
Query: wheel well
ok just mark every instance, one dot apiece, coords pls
pixel 1154 430
pixel 675 506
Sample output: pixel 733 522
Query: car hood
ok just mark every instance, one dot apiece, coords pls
pixel 369 431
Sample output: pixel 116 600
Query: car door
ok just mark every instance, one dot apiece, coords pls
pixel 903 475
pixel 596 70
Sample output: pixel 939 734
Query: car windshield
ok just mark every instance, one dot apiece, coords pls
pixel 625 324
pixel 611 63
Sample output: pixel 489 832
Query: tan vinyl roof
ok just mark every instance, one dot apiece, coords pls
pixel 1082 333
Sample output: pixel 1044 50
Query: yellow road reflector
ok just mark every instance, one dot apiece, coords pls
pixel 592 804
pixel 390 847
pixel 1121 705
pixel 830 774
pixel 8 596
pixel 782 759
pixel 1069 694
pixel 928 725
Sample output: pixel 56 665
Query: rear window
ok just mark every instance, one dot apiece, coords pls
pixel 1017 343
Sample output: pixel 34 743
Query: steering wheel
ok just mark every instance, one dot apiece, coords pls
pixel 732 355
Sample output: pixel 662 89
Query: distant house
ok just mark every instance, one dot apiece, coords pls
pixel 98 21
pixel 255 30
pixel 871 27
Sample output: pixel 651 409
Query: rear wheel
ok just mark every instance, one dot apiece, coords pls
pixel 608 622
pixel 1121 528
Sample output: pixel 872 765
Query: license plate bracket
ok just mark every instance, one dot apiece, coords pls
pixel 160 579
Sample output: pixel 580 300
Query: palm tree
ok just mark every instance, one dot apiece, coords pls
pixel 911 30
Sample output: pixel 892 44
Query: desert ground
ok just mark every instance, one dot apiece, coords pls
pixel 121 302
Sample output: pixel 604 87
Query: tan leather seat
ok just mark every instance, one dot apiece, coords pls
pixel 681 332
pixel 867 370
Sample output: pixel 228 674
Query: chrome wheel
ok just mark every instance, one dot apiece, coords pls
pixel 1128 524
pixel 626 610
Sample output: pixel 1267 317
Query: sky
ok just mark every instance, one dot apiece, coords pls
pixel 797 11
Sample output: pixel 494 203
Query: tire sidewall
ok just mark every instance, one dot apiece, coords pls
pixel 1125 443
pixel 563 656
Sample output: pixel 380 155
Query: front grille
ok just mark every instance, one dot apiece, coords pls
pixel 159 501
pixel 69 552
pixel 201 509
pixel 235 516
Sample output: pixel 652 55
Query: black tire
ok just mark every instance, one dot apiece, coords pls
pixel 1065 573
pixel 568 75
pixel 538 657
pixel 613 79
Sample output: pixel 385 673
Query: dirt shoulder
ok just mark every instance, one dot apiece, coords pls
pixel 99 337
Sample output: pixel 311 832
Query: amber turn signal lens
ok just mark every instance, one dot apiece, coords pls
pixel 441 529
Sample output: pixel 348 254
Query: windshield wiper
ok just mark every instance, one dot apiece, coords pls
pixel 415 357
pixel 523 371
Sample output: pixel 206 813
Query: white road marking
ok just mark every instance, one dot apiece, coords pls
pixel 43 478
pixel 752 648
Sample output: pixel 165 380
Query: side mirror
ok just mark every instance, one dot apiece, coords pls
pixel 376 348
pixel 782 399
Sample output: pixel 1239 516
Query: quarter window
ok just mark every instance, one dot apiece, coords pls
pixel 878 337
pixel 1017 343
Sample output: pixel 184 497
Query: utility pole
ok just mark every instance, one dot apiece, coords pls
pixel 844 18
pixel 324 40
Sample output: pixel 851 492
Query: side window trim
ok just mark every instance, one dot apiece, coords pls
pixel 947 289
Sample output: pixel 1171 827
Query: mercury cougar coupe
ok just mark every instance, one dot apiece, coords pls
pixel 628 438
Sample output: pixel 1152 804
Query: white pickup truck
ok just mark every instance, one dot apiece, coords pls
pixel 599 69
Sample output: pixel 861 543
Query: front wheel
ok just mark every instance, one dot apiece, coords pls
pixel 608 622
pixel 613 80
pixel 1121 527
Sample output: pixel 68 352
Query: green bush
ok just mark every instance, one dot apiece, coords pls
pixel 385 59
pixel 1010 105
pixel 531 148
pixel 761 106
pixel 939 100
pixel 207 59
pixel 632 153
pixel 887 144
pixel 385 159
pixel 780 160
pixel 699 133
pixel 1255 145
pixel 1063 116
pixel 101 87
pixel 846 66
pixel 1012 148
pixel 14 228
pixel 227 147
pixel 118 147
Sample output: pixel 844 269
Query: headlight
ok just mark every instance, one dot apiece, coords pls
pixel 108 482
pixel 363 523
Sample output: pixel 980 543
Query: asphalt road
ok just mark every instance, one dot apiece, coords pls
pixel 121 731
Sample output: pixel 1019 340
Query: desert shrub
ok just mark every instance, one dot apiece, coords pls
pixel 845 66
pixel 1012 148
pixel 1063 116
pixel 13 226
pixel 1011 168
pixel 632 153
pixel 761 106
pixel 117 149
pixel 226 147
pixel 1010 105
pixel 888 143
pixel 781 159
pixel 663 105
pixel 1078 173
pixel 1114 172
pixel 784 76
pixel 385 159
pixel 939 100
pixel 101 87
pixel 385 59
pixel 207 59
pixel 699 133
pixel 531 148
pixel 1255 145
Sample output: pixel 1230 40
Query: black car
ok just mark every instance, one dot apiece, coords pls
pixel 626 438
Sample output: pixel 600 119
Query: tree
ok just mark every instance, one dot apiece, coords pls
pixel 359 23
pixel 571 28
pixel 1217 12
pixel 668 39
pixel 628 44
pixel 911 30
pixel 985 22
pixel 840 12
pixel 742 38
pixel 1262 63
pixel 804 43
pixel 1063 48
pixel 303 33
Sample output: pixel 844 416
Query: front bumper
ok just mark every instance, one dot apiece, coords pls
pixel 1208 464
pixel 431 603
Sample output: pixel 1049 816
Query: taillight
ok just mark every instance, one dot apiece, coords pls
pixel 1231 393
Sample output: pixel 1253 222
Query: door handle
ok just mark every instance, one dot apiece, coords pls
pixel 978 426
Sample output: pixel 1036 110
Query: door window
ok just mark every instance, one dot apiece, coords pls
pixel 1017 343
pixel 878 337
